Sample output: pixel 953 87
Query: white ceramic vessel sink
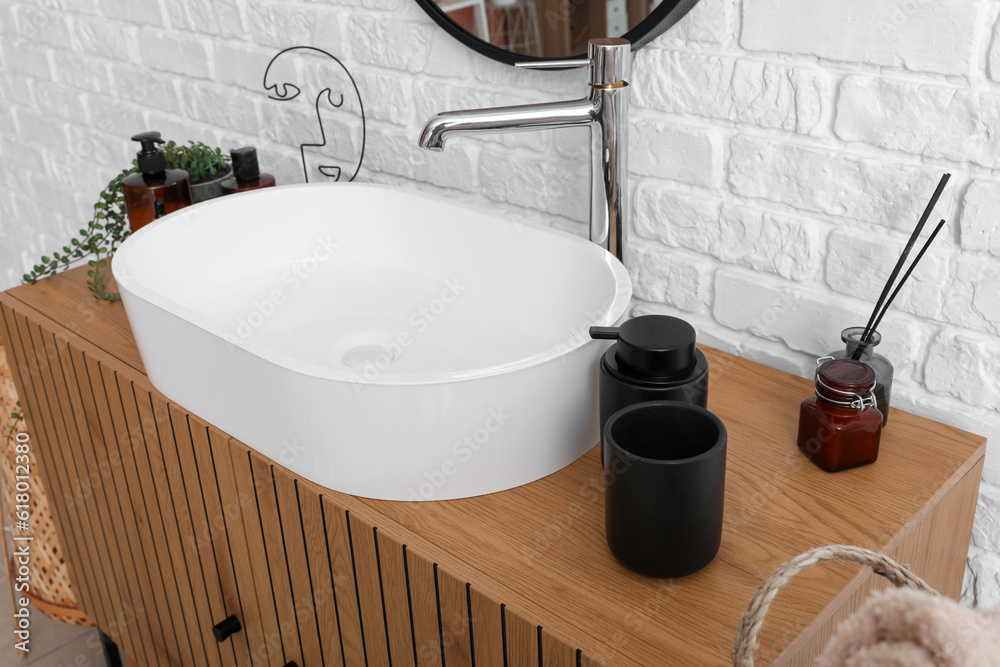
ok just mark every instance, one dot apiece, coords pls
pixel 377 342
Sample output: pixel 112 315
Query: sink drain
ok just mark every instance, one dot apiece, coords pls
pixel 364 356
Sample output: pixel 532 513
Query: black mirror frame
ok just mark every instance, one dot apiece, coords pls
pixel 665 16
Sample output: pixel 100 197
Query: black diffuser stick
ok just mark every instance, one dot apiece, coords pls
pixel 906 275
pixel 869 328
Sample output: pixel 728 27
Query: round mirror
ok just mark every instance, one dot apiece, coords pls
pixel 513 31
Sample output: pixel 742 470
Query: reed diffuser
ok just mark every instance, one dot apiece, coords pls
pixel 859 348
pixel 860 342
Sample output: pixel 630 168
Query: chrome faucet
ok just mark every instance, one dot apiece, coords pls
pixel 604 110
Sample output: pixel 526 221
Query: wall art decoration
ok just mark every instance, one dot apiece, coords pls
pixel 334 149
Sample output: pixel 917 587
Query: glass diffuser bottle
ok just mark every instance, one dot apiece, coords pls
pixel 864 351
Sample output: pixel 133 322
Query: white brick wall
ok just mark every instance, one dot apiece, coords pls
pixel 940 36
pixel 781 152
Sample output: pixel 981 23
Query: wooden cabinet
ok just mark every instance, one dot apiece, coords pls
pixel 171 526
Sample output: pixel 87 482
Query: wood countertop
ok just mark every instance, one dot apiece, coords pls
pixel 540 548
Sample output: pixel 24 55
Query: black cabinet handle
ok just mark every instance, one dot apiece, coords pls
pixel 225 629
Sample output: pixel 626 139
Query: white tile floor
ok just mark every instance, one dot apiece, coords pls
pixel 53 644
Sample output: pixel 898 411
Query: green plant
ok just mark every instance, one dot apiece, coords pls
pixel 17 416
pixel 102 235
pixel 109 226
pixel 198 160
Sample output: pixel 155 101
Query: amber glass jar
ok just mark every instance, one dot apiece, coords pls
pixel 840 427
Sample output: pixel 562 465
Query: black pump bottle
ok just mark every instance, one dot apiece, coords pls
pixel 655 359
pixel 153 182
pixel 246 173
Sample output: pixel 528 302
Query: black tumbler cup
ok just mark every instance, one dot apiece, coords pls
pixel 665 473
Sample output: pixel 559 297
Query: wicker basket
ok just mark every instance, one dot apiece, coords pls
pixel 49 591
pixel 753 617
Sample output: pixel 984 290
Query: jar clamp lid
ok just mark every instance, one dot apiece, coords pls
pixel 845 382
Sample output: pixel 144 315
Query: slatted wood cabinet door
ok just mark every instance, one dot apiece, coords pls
pixel 136 498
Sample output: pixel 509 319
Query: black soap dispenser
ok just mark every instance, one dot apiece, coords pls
pixel 153 182
pixel 655 359
pixel 246 172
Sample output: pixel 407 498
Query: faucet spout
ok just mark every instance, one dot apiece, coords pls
pixel 523 118
pixel 604 111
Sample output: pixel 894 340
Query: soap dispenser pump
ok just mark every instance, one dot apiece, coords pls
pixel 153 182
pixel 654 359
pixel 246 172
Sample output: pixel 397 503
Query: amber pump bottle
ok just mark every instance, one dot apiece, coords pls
pixel 246 172
pixel 153 182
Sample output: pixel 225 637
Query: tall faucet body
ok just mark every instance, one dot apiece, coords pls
pixel 604 110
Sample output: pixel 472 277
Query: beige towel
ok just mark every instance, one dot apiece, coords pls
pixel 906 628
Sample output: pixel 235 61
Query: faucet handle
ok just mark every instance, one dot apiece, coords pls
pixel 609 59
